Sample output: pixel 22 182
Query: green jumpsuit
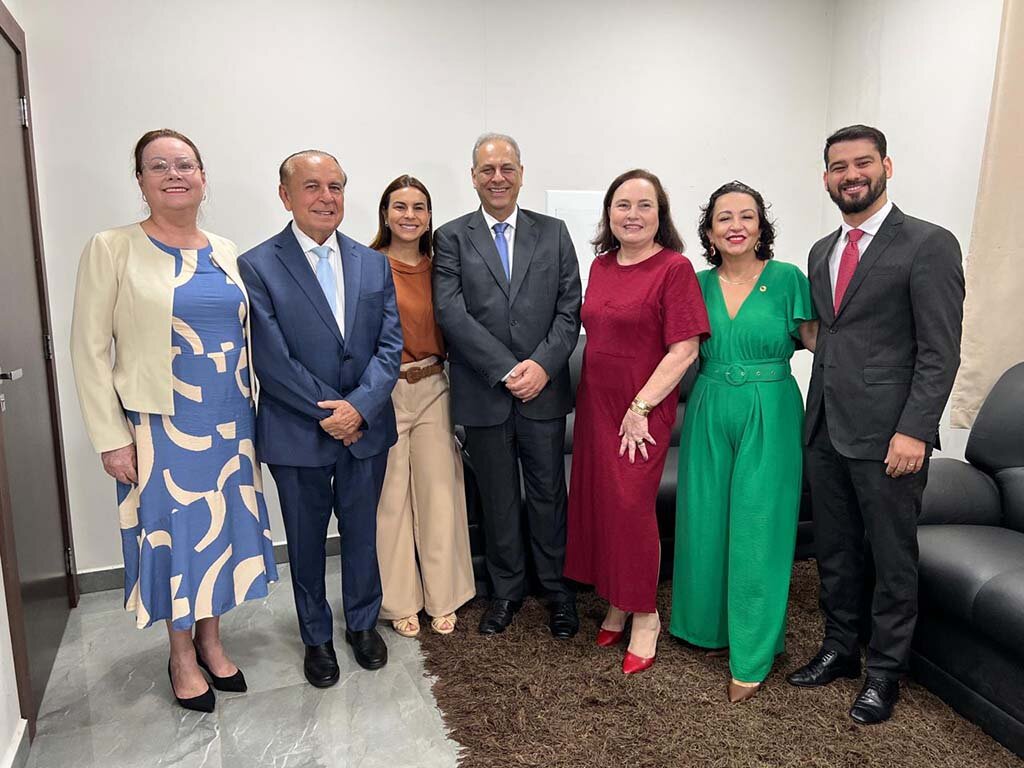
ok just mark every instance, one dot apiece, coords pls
pixel 740 470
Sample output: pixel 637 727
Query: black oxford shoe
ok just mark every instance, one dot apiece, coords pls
pixel 368 647
pixel 498 616
pixel 563 622
pixel 321 665
pixel 875 702
pixel 826 666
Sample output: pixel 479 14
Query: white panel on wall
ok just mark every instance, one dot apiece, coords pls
pixel 581 212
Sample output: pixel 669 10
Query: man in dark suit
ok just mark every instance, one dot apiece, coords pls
pixel 507 296
pixel 889 290
pixel 326 347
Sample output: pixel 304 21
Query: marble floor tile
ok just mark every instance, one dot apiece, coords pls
pixel 179 739
pixel 108 702
pixel 368 720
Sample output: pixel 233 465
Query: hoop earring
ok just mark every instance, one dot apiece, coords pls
pixel 757 247
pixel 712 251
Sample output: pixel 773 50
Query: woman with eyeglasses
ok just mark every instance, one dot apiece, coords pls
pixel 171 414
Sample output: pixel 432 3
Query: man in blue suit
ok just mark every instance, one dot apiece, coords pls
pixel 326 347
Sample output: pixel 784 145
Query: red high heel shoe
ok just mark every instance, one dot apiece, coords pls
pixel 632 663
pixel 606 638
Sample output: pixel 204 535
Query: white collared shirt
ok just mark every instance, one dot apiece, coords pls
pixel 307 244
pixel 510 232
pixel 869 228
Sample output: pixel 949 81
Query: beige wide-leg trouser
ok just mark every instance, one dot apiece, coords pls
pixel 422 532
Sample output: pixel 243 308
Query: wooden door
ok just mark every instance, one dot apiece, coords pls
pixel 35 537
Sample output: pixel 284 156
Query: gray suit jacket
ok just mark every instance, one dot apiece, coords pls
pixel 885 362
pixel 491 323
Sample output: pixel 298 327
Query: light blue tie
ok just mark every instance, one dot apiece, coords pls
pixel 502 244
pixel 326 277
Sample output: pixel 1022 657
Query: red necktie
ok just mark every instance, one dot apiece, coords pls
pixel 847 265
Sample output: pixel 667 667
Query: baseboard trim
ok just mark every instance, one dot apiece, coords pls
pixel 16 755
pixel 103 579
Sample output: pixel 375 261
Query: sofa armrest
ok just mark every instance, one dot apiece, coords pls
pixel 959 494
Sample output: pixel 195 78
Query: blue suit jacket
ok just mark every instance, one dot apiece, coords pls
pixel 300 356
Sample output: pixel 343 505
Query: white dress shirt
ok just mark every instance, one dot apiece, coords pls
pixel 307 244
pixel 869 228
pixel 510 232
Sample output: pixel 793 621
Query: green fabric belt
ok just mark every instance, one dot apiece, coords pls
pixel 739 374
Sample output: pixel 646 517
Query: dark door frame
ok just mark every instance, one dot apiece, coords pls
pixel 14 34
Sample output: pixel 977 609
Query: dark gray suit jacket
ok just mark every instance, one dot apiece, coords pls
pixel 490 325
pixel 885 362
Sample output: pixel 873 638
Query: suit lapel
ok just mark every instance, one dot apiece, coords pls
pixel 294 260
pixel 482 240
pixel 352 267
pixel 522 255
pixel 821 278
pixel 886 234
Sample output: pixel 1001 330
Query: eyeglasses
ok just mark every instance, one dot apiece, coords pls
pixel 182 165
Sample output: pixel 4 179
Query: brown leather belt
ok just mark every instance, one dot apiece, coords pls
pixel 412 375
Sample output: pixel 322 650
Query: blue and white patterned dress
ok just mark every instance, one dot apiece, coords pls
pixel 194 531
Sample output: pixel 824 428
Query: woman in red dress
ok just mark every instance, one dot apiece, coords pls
pixel 644 318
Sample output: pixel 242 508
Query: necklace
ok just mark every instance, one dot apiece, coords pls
pixel 740 282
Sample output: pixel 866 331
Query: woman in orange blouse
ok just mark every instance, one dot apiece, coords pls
pixel 422 533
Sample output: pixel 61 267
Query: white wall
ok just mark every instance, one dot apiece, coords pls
pixel 698 92
pixel 11 723
pixel 407 86
pixel 922 71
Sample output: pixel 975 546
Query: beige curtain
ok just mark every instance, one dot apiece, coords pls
pixel 994 311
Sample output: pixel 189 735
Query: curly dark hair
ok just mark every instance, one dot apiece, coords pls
pixel 667 235
pixel 766 238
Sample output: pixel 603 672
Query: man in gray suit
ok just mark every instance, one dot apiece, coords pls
pixel 507 296
pixel 889 290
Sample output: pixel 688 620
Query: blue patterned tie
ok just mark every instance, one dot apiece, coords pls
pixel 326 277
pixel 502 245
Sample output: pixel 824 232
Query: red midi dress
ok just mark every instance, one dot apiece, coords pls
pixel 631 314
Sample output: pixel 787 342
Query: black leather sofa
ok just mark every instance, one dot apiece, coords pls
pixel 969 642
pixel 666 503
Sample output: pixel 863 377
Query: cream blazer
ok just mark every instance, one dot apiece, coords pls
pixel 124 295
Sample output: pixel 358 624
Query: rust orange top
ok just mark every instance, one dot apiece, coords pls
pixel 420 332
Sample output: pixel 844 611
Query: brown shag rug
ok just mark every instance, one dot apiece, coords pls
pixel 524 699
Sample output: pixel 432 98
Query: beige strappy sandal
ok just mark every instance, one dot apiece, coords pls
pixel 444 625
pixel 407 627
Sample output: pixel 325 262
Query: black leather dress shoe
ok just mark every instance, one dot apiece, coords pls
pixel 563 622
pixel 826 666
pixel 368 647
pixel 321 665
pixel 875 702
pixel 498 616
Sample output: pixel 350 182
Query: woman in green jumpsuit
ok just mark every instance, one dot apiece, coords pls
pixel 740 457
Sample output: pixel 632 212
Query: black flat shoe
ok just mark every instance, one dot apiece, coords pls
pixel 498 616
pixel 321 665
pixel 368 647
pixel 231 684
pixel 826 666
pixel 204 702
pixel 875 702
pixel 563 622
